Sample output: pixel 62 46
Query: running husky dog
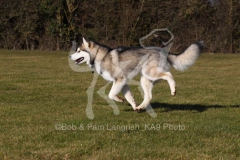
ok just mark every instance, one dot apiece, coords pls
pixel 121 64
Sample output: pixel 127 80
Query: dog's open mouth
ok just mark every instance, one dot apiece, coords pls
pixel 79 60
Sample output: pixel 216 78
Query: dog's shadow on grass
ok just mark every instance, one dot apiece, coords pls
pixel 164 107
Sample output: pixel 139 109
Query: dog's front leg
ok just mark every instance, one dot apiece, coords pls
pixel 129 97
pixel 147 86
pixel 116 88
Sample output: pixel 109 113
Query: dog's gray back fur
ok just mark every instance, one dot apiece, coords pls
pixel 132 60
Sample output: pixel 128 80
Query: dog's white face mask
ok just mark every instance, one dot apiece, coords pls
pixel 80 57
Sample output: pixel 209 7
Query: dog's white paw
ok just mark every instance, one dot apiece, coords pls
pixel 119 99
pixel 173 93
pixel 139 110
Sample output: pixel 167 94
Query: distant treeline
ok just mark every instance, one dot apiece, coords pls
pixel 54 24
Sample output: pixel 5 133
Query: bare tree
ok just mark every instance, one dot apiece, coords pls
pixel 53 24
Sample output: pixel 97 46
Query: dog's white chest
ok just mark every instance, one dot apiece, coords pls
pixel 106 75
pixel 98 67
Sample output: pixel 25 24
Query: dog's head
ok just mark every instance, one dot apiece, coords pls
pixel 80 57
pixel 94 48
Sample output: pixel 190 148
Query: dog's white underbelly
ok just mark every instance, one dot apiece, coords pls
pixel 107 76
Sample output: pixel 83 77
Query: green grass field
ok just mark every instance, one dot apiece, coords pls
pixel 43 112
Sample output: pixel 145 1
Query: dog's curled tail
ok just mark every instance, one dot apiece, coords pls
pixel 187 58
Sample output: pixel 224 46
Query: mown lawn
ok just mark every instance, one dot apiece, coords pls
pixel 43 112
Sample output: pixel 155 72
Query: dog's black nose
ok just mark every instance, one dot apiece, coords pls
pixel 70 57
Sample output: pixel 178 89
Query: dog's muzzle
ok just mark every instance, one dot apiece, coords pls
pixel 77 61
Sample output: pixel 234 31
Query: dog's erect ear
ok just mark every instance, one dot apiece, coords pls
pixel 86 44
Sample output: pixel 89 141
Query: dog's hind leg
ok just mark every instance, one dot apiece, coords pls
pixel 168 76
pixel 147 86
pixel 154 74
pixel 128 95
